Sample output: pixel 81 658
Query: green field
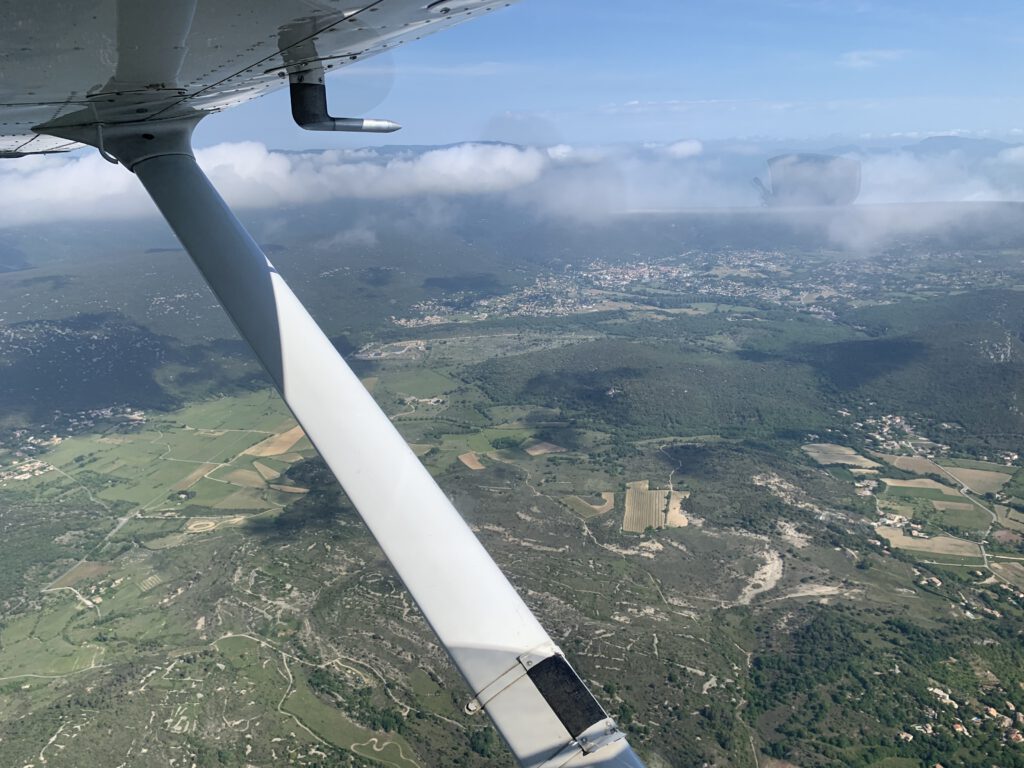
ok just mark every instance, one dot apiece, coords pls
pixel 417 382
pixel 143 529
pixel 972 464
pixel 973 519
pixel 260 411
pixel 1010 518
pixel 228 624
pixel 933 494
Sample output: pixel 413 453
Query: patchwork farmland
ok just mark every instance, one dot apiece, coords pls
pixel 644 508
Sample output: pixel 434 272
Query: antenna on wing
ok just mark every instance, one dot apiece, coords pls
pixel 305 67
pixel 309 106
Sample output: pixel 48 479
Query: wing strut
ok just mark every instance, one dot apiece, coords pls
pixel 518 676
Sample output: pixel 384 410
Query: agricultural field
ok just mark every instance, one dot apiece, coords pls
pixel 934 545
pixel 828 454
pixel 189 452
pixel 543 448
pixel 277 444
pixel 989 466
pixel 1013 572
pixel 644 508
pixel 917 464
pixel 961 516
pixel 919 488
pixel 1015 487
pixel 471 460
pixel 1009 518
pixel 980 481
pixel 980 477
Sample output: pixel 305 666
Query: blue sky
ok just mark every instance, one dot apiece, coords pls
pixel 664 105
pixel 596 71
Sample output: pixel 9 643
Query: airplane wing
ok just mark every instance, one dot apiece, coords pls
pixel 67 61
pixel 132 78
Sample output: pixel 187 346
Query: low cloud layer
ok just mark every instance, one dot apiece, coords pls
pixel 948 176
pixel 583 183
pixel 248 175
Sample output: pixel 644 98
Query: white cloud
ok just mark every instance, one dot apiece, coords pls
pixel 248 175
pixel 561 152
pixel 585 183
pixel 870 58
pixel 362 236
pixel 55 187
pixel 905 177
pixel 566 153
pixel 869 228
pixel 683 149
pixel 1013 155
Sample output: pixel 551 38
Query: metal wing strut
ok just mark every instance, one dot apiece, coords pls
pixel 518 676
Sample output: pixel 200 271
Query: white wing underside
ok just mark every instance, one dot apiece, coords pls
pixel 62 61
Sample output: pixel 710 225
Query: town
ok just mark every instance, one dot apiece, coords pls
pixel 761 279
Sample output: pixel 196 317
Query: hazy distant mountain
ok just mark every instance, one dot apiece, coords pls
pixel 944 145
pixel 11 259
pixel 391 150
